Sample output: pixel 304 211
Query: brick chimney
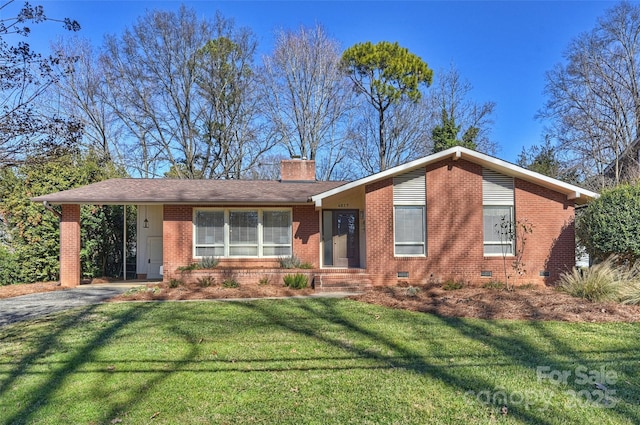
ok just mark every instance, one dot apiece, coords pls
pixel 297 170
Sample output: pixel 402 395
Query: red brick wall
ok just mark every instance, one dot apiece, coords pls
pixel 551 245
pixel 455 230
pixel 178 239
pixel 70 245
pixel 306 234
pixel 297 170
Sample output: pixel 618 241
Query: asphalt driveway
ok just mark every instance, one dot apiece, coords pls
pixel 35 305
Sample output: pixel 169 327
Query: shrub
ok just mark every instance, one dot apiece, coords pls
pixel 296 281
pixel 610 225
pixel 206 281
pixel 230 283
pixel 264 281
pixel 600 282
pixel 174 283
pixel 451 285
pixel 189 267
pixel 412 291
pixel 494 284
pixel 209 262
pixel 290 262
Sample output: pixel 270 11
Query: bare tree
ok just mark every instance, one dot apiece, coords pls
pixel 165 83
pixel 594 99
pixel 406 134
pixel 306 97
pixel 80 92
pixel 450 103
pixel 26 133
pixel 226 81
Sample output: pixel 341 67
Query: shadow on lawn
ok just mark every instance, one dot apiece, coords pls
pixel 497 335
pixel 517 348
pixel 82 355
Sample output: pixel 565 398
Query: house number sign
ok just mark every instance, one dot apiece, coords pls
pixel 343 205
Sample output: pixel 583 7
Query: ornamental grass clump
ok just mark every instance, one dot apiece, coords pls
pixel 296 281
pixel 600 282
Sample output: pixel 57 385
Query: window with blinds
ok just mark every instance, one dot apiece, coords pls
pixel 497 212
pixel 409 207
pixel 242 232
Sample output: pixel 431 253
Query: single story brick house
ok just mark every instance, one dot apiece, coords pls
pixel 429 220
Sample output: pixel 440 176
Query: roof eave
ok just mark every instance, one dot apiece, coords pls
pixel 578 194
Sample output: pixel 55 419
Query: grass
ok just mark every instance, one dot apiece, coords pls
pixel 308 361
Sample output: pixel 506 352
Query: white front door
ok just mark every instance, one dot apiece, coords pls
pixel 154 257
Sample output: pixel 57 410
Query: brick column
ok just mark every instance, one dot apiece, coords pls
pixel 70 245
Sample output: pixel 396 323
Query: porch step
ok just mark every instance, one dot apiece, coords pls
pixel 347 282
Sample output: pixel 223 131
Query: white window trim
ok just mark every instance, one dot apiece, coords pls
pixel 226 230
pixel 424 229
pixel 497 243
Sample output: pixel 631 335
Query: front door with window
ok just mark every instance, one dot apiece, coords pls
pixel 154 257
pixel 340 238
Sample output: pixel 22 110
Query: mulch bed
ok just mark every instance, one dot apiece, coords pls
pixel 481 303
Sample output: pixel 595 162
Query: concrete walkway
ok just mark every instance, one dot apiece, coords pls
pixel 35 305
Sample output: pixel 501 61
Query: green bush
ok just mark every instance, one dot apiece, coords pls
pixel 610 225
pixel 230 283
pixel 174 283
pixel 209 262
pixel 189 267
pixel 206 281
pixel 494 284
pixel 412 291
pixel 264 281
pixel 296 281
pixel 9 270
pixel 600 282
pixel 451 285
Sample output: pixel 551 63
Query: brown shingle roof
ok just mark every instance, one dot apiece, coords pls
pixel 164 191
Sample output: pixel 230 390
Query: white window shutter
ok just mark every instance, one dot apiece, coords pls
pixel 410 188
pixel 497 189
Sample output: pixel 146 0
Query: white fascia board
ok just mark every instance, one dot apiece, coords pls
pixel 572 191
pixel 457 152
pixel 417 163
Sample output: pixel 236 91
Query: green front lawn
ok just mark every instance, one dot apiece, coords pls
pixel 311 361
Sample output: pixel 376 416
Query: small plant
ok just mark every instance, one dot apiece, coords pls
pixel 412 291
pixel 514 233
pixel 189 267
pixel 206 281
pixel 174 283
pixel 136 290
pixel 264 281
pixel 494 284
pixel 296 281
pixel 290 262
pixel 230 283
pixel 451 285
pixel 209 262
pixel 306 265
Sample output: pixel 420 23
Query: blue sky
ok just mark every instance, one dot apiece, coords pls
pixel 503 48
